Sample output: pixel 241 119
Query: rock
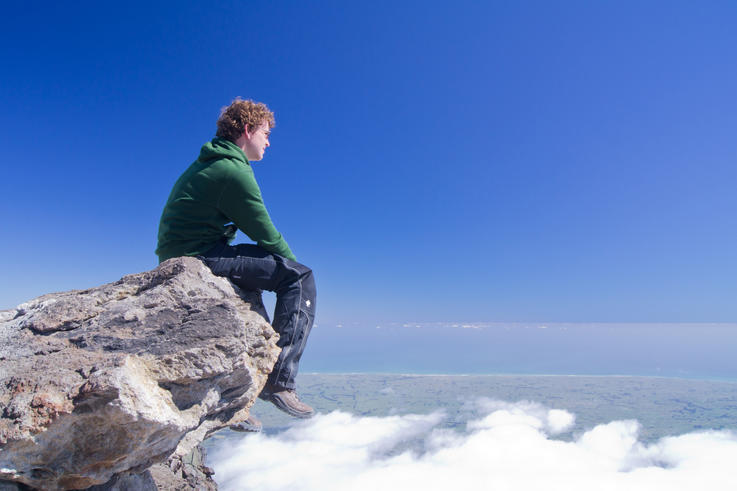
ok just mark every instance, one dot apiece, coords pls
pixel 185 473
pixel 129 482
pixel 177 474
pixel 12 486
pixel 112 380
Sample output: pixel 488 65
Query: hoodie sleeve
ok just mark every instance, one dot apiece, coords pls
pixel 240 201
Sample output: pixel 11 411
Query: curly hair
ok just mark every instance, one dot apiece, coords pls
pixel 234 118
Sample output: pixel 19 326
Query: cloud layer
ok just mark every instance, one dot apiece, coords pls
pixel 510 448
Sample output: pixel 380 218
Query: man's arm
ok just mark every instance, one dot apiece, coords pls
pixel 241 201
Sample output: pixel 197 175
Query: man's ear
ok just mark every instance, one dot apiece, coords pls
pixel 246 133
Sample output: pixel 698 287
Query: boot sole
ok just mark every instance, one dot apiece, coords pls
pixel 279 403
pixel 244 428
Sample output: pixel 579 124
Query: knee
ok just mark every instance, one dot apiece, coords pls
pixel 297 276
pixel 308 284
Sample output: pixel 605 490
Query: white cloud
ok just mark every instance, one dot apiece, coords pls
pixel 555 421
pixel 510 448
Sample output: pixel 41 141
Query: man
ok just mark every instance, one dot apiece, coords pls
pixel 217 194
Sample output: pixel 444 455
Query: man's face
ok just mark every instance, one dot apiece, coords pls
pixel 257 141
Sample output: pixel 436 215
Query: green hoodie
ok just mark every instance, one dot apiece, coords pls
pixel 219 188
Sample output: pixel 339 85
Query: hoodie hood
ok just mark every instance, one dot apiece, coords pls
pixel 219 148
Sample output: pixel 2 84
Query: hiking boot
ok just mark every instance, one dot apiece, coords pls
pixel 287 401
pixel 250 425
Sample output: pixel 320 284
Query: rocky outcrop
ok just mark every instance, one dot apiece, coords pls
pixel 103 383
pixel 178 473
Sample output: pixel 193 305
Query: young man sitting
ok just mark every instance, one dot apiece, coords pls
pixel 218 194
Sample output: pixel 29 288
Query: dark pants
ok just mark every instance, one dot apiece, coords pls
pixel 252 268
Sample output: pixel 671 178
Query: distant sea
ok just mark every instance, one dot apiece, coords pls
pixel 580 406
pixel 663 406
pixel 696 350
pixel 525 431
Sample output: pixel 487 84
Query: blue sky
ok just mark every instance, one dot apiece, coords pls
pixel 482 161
